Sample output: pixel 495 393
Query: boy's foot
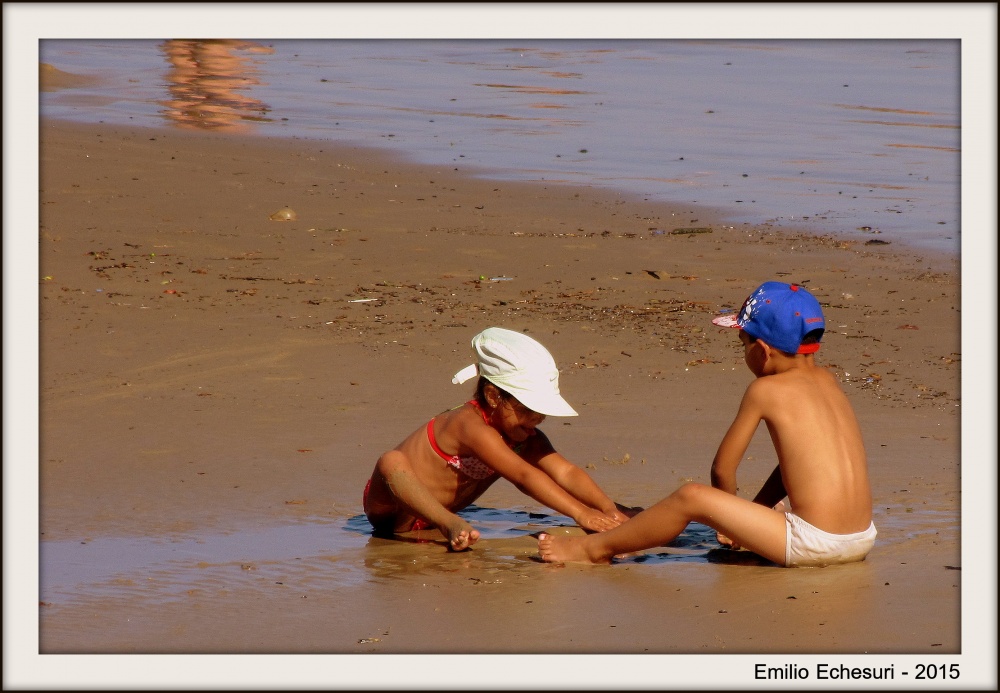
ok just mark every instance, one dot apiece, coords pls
pixel 565 549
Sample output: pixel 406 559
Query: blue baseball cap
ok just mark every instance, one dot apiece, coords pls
pixel 779 314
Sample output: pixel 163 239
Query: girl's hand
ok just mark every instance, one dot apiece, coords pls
pixel 617 516
pixel 596 521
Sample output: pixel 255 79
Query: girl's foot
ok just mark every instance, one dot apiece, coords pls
pixel 460 535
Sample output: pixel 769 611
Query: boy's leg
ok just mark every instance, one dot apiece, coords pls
pixel 759 529
pixel 407 495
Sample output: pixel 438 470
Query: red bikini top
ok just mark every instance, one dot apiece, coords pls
pixel 471 466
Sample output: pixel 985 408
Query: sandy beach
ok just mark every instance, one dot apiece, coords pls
pixel 208 371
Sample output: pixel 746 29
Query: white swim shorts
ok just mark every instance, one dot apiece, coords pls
pixel 806 545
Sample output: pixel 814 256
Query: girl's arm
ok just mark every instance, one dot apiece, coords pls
pixel 574 480
pixel 487 444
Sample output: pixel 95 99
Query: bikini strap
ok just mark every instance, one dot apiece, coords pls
pixel 433 441
pixel 478 408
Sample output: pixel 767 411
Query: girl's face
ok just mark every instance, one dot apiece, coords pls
pixel 517 421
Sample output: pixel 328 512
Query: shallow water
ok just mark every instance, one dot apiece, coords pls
pixel 344 552
pixel 341 552
pixel 854 137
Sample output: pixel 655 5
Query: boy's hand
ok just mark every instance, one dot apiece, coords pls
pixel 726 541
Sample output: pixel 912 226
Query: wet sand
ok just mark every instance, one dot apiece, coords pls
pixel 209 375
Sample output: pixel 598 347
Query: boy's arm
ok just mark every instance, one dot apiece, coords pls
pixel 736 441
pixel 772 491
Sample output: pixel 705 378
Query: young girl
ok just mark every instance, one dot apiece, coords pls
pixel 446 465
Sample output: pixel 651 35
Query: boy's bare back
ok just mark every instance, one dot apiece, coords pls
pixel 822 466
pixel 818 443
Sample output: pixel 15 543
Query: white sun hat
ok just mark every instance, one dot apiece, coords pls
pixel 520 366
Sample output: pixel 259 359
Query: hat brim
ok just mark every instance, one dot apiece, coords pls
pixel 549 404
pixel 726 320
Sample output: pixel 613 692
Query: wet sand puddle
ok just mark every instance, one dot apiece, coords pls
pixel 897 525
pixel 168 568
pixel 321 555
pixel 340 553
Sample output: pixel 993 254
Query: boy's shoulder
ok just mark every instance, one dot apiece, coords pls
pixel 795 385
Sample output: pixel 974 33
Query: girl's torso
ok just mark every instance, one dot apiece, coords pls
pixel 455 476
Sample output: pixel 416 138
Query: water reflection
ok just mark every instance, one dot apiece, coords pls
pixel 492 523
pixel 208 81
pixel 511 540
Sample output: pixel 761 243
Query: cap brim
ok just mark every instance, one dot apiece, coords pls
pixel 547 404
pixel 725 320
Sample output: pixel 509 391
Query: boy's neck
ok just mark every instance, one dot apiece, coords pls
pixel 780 362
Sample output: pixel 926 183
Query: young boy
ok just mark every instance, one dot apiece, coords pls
pixel 821 469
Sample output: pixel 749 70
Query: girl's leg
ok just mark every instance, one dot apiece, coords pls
pixel 759 529
pixel 397 495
